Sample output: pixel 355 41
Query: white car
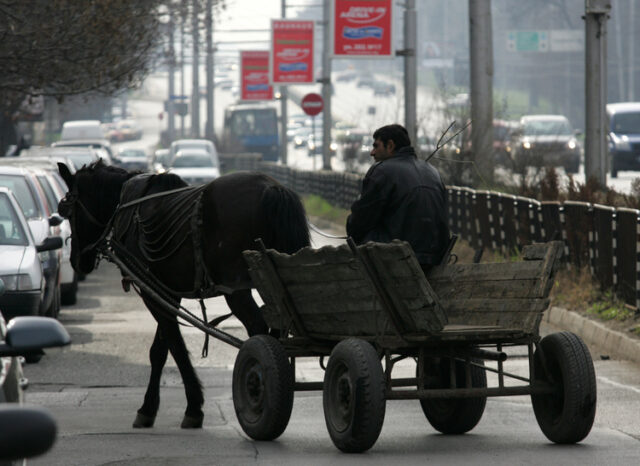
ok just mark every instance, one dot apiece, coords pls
pixel 195 166
pixel 182 144
pixel 20 266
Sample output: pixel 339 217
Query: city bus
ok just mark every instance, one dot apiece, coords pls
pixel 251 127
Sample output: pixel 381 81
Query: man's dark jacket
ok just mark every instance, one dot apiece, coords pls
pixel 402 198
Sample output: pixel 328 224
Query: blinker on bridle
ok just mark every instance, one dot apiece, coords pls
pixel 66 208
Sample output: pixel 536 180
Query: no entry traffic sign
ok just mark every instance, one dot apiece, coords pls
pixel 312 104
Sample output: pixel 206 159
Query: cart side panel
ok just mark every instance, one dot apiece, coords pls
pixel 332 296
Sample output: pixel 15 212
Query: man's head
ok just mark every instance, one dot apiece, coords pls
pixel 387 140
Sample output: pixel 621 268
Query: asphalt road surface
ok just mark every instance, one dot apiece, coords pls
pixel 94 387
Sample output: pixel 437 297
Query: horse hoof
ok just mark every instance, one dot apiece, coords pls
pixel 192 422
pixel 143 421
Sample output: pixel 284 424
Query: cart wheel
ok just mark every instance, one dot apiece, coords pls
pixel 565 416
pixel 263 385
pixel 453 415
pixel 353 396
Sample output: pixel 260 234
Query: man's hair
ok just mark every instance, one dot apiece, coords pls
pixel 396 133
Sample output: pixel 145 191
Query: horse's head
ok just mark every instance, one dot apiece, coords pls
pixel 88 205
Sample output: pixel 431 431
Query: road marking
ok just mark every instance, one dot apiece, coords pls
pixel 619 385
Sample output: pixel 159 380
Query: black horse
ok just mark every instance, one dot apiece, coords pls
pixel 190 239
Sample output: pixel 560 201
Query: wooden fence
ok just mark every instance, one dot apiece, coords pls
pixel 606 239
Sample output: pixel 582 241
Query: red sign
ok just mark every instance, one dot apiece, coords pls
pixel 254 75
pixel 362 28
pixel 312 104
pixel 291 51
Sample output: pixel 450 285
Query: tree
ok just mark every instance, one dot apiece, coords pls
pixel 65 47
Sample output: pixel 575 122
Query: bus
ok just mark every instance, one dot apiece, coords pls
pixel 251 127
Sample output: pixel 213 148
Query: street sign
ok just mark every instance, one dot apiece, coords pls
pixel 312 104
pixel 528 41
pixel 291 52
pixel 254 75
pixel 361 28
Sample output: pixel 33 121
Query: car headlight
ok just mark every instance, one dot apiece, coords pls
pixel 526 145
pixel 17 282
pixel 312 146
pixel 333 146
pixel 572 144
pixel 622 142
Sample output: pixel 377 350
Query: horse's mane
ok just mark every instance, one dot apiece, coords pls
pixel 103 182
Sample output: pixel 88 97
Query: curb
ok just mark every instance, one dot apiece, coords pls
pixel 613 343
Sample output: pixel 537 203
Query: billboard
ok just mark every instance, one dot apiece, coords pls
pixel 291 51
pixel 254 75
pixel 362 28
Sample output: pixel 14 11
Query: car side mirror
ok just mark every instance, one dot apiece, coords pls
pixel 55 220
pixel 27 334
pixel 49 244
pixel 27 431
pixel 577 132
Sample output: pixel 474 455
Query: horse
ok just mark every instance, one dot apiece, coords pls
pixel 190 239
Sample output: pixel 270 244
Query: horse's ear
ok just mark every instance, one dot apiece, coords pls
pixel 65 174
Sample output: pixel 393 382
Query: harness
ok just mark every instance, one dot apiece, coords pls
pixel 158 237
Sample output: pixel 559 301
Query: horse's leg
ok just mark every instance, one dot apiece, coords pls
pixel 245 308
pixel 172 337
pixel 158 356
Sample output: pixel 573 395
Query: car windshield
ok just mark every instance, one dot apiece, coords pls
pixel 547 128
pixel 11 231
pixel 18 184
pixel 626 123
pixel 192 161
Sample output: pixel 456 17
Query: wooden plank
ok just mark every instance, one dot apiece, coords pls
pixel 491 289
pixel 525 270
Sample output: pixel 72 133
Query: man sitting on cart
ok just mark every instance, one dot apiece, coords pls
pixel 402 198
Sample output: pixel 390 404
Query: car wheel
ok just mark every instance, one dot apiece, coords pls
pixel 69 295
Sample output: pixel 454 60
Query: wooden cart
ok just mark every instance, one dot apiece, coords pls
pixel 371 306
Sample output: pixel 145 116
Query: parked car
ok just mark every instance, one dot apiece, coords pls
pixel 21 270
pixel 131 158
pixel 365 81
pixel 81 129
pixel 547 140
pixel 91 143
pixel 74 157
pixel 624 136
pixel 160 160
pixel 42 225
pixel 129 130
pixel 181 144
pixel 195 166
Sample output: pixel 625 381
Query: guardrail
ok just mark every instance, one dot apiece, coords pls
pixel 607 239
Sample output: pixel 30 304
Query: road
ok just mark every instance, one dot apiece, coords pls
pixel 94 387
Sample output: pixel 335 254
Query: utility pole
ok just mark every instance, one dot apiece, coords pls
pixel 481 83
pixel 283 106
pixel 172 64
pixel 326 87
pixel 183 18
pixel 595 147
pixel 208 126
pixel 410 70
pixel 195 91
pixel 632 51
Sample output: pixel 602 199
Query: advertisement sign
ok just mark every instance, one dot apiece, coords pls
pixel 291 51
pixel 362 28
pixel 254 75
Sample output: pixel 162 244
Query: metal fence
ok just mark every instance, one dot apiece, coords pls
pixel 605 238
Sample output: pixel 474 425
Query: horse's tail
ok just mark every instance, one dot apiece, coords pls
pixel 287 229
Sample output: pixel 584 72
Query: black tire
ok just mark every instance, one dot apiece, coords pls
pixel 614 169
pixel 573 167
pixel 69 295
pixel 263 385
pixel 565 416
pixel 34 357
pixel 453 415
pixel 353 396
